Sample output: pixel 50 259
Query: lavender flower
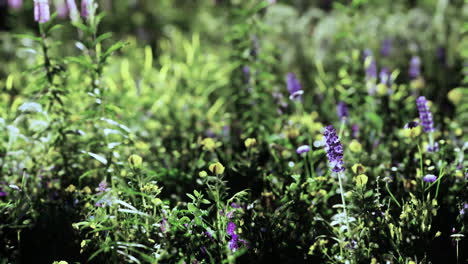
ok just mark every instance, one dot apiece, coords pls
pixel 62 8
pixel 73 10
pixel 302 149
pixel 425 115
pixel 414 67
pixel 41 11
pixel 342 110
pixel 334 149
pixel 430 178
pixel 231 228
pixel 85 8
pixel 102 187
pixel 355 131
pixel 371 69
pixel 386 47
pixel 294 87
pixel 15 4
pixel 384 76
pixel 2 193
pixel 433 148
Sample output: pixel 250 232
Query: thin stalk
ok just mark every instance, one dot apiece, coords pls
pixel 340 174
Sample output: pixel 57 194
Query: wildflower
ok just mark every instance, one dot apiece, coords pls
pixel 135 161
pixel 355 131
pixel 430 178
pixel 216 168
pixel 361 180
pixel 102 187
pixel 355 146
pixel 61 7
pixel 302 149
pixel 425 114
pixel 41 11
pixel 334 149
pixel 342 110
pixel 384 76
pixel 85 8
pixel 433 148
pixel 73 10
pixel 414 67
pixel 202 174
pixel 15 4
pixel 358 168
pixel 86 189
pixel 208 144
pixel 250 142
pixel 70 188
pixel 294 87
pixel 371 67
pixel 455 95
pixel 2 193
pixel 386 47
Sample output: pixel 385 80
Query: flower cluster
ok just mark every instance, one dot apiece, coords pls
pixel 41 11
pixel 294 87
pixel 414 67
pixel 342 110
pixel 425 114
pixel 334 149
pixel 234 242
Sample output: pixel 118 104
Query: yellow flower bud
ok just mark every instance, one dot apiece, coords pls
pixel 361 180
pixel 355 146
pixel 135 161
pixel 455 95
pixel 250 142
pixel 217 168
pixel 208 144
pixel 70 188
pixel 86 189
pixel 358 168
pixel 202 174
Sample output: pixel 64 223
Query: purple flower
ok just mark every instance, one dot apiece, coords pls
pixel 73 10
pixel 2 193
pixel 231 228
pixel 425 115
pixel 302 149
pixel 294 87
pixel 15 4
pixel 434 148
pixel 233 246
pixel 342 110
pixel 384 76
pixel 430 178
pixel 355 131
pixel 41 11
pixel 85 8
pixel 366 53
pixel 371 69
pixel 414 67
pixel 102 187
pixel 334 149
pixel 62 8
pixel 386 47
pixel 246 71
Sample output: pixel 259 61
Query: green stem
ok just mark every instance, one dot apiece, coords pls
pixel 340 174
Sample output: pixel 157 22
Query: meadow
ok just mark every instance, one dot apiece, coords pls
pixel 234 131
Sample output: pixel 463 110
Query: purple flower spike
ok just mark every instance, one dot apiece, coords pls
pixel 384 76
pixel 334 149
pixel 231 228
pixel 430 178
pixel 294 87
pixel 15 4
pixel 73 10
pixel 102 187
pixel 425 115
pixel 62 8
pixel 302 149
pixel 386 47
pixel 41 11
pixel 85 6
pixel 414 67
pixel 342 110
